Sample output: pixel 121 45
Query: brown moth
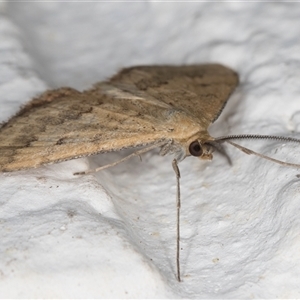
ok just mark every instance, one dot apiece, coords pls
pixel 166 107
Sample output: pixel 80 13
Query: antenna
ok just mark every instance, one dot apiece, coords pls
pixel 248 151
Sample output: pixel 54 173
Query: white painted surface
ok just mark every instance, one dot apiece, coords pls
pixel 113 234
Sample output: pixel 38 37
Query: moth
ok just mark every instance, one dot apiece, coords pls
pixel 166 107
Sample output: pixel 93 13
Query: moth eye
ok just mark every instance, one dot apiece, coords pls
pixel 195 149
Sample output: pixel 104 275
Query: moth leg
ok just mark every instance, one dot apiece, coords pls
pixel 165 149
pixel 137 153
pixel 177 173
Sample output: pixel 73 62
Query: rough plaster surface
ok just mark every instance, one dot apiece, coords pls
pixel 113 234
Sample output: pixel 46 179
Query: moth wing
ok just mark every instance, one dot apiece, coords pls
pixel 134 108
pixel 65 124
pixel 199 90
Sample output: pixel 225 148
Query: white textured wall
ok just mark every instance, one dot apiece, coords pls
pixel 113 234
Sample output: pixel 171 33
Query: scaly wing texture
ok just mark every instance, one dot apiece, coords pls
pixel 65 124
pixel 199 90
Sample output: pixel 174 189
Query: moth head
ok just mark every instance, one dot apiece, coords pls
pixel 201 150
